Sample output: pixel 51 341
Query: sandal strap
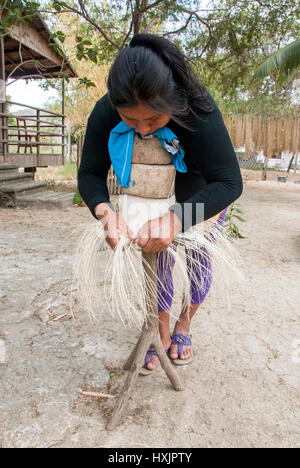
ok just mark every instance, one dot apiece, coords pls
pixel 181 340
pixel 151 352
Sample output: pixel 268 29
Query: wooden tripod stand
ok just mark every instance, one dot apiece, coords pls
pixel 149 335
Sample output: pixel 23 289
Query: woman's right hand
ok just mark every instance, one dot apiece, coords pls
pixel 114 225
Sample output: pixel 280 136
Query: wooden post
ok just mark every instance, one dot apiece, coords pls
pixel 150 335
pixel 78 157
pixel 296 163
pixel 69 151
pixel 4 132
pixel 79 150
pixel 264 170
pixel 290 164
pixel 63 119
pixel 38 135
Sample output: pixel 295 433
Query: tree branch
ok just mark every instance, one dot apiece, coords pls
pixel 181 29
pixel 149 26
pixel 152 5
pixel 27 77
pixel 3 7
pixel 84 14
pixel 263 5
pixel 127 35
pixel 194 13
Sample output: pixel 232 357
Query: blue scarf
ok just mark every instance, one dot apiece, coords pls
pixel 120 146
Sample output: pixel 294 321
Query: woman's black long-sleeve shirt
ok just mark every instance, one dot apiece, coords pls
pixel 213 176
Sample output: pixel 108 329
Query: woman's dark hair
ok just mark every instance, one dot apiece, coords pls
pixel 154 71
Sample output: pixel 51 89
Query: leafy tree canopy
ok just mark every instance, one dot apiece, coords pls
pixel 226 40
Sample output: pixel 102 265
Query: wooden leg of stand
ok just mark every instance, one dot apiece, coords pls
pixel 122 400
pixel 167 366
pixel 149 335
pixel 130 360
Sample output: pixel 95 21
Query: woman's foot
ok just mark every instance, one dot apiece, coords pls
pixel 154 360
pixel 164 331
pixel 182 327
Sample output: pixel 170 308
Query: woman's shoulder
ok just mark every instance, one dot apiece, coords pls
pixel 104 112
pixel 201 118
pixel 199 122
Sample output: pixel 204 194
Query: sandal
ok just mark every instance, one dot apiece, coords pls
pixel 151 352
pixel 181 340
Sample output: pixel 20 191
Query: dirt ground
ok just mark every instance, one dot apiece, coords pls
pixel 68 182
pixel 242 388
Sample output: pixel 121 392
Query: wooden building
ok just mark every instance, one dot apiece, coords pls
pixel 31 137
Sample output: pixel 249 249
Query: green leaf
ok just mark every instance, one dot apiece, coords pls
pixel 92 56
pixel 87 42
pixel 59 35
pixel 239 218
pixel 57 7
pixel 285 61
pixel 86 82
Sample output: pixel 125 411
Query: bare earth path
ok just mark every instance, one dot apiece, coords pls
pixel 242 389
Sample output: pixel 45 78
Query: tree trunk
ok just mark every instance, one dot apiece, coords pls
pixel 137 16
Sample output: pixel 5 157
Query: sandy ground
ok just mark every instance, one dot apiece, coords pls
pixel 67 182
pixel 241 390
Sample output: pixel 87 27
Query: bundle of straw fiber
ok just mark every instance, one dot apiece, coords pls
pixel 127 289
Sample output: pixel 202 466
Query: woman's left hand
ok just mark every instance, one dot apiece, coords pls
pixel 157 234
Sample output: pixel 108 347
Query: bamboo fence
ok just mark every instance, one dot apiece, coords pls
pixel 272 136
pixel 256 133
pixel 113 187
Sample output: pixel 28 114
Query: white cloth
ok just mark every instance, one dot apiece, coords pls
pixel 137 211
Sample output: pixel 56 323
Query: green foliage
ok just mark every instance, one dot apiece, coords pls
pixel 283 63
pixel 226 56
pixel 17 10
pixel 86 82
pixel 57 48
pixel 86 49
pixel 59 6
pixel 51 183
pixel 231 228
pixel 77 200
pixel 69 170
pixel 225 44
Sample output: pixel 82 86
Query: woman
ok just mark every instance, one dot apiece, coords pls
pixel 151 86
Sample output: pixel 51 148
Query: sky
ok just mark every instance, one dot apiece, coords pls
pixel 29 93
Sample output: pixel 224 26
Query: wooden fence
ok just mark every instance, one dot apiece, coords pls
pixel 31 137
pixel 113 187
pixel 256 133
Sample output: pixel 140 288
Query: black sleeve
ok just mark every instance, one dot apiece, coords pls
pixel 209 150
pixel 95 161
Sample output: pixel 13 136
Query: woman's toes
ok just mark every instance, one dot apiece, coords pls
pixel 153 363
pixel 187 352
pixel 174 352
